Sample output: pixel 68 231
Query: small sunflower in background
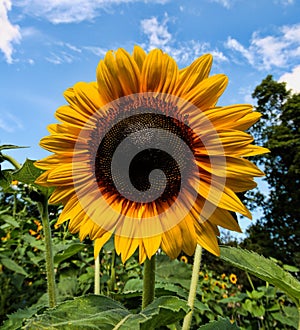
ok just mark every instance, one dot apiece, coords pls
pixel 233 278
pixel 145 154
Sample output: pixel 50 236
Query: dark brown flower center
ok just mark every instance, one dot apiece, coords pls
pixel 144 151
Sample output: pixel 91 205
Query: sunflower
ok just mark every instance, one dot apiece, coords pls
pixel 233 278
pixel 145 154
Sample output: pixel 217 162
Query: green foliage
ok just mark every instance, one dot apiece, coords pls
pixel 277 233
pixel 263 268
pixel 101 312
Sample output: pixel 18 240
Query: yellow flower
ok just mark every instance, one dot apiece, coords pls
pixel 32 232
pixel 145 154
pixel 5 238
pixel 14 183
pixel 233 278
pixel 223 276
pixel 184 259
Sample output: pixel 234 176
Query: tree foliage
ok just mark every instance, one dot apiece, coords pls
pixel 277 233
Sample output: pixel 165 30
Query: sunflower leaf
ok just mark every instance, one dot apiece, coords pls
pixel 161 312
pixel 28 173
pixel 10 146
pixel 264 268
pixel 87 312
pixel 5 178
pixel 68 252
pixel 12 265
pixel 220 324
pixel 101 312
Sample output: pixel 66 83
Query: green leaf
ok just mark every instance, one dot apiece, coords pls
pixel 263 268
pixel 68 252
pixel 255 294
pixel 5 178
pixel 12 265
pixel 133 285
pixel 100 312
pixel 290 316
pixel 220 324
pixel 161 312
pixel 10 146
pixel 291 269
pixel 15 320
pixel 258 311
pixel 84 313
pixel 10 220
pixel 28 173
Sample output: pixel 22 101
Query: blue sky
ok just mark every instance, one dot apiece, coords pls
pixel 46 46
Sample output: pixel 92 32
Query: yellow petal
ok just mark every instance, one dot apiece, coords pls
pixel 224 218
pixel 126 246
pixel 159 73
pixel 172 242
pixel 188 235
pixel 129 75
pixel 206 237
pixel 99 242
pixel 194 74
pixel 207 92
pixel 139 56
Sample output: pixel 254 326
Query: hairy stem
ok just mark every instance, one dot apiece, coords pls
pixel 97 275
pixel 193 288
pixel 10 159
pixel 43 208
pixel 148 282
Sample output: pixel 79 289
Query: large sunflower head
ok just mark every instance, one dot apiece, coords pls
pixel 145 154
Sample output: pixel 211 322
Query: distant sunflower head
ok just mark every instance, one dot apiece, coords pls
pixel 145 154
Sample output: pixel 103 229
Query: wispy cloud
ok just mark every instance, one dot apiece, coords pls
pixel 72 11
pixel 9 122
pixel 285 2
pixel 10 33
pixel 264 52
pixel 292 79
pixel 157 32
pixel 225 3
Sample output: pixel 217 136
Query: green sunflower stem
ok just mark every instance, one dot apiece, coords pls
pixel 97 275
pixel 43 208
pixel 10 159
pixel 193 288
pixel 148 282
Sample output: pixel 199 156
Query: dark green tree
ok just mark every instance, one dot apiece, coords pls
pixel 277 234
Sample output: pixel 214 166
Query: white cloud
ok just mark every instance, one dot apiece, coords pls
pixel 292 79
pixel 235 45
pixel 284 2
pixel 9 123
pixel 279 50
pixel 98 51
pixel 183 52
pixel 10 33
pixel 72 11
pixel 157 32
pixel 225 3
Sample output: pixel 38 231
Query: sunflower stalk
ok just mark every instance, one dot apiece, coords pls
pixel 193 287
pixel 51 286
pixel 10 159
pixel 97 275
pixel 148 282
pixel 112 279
